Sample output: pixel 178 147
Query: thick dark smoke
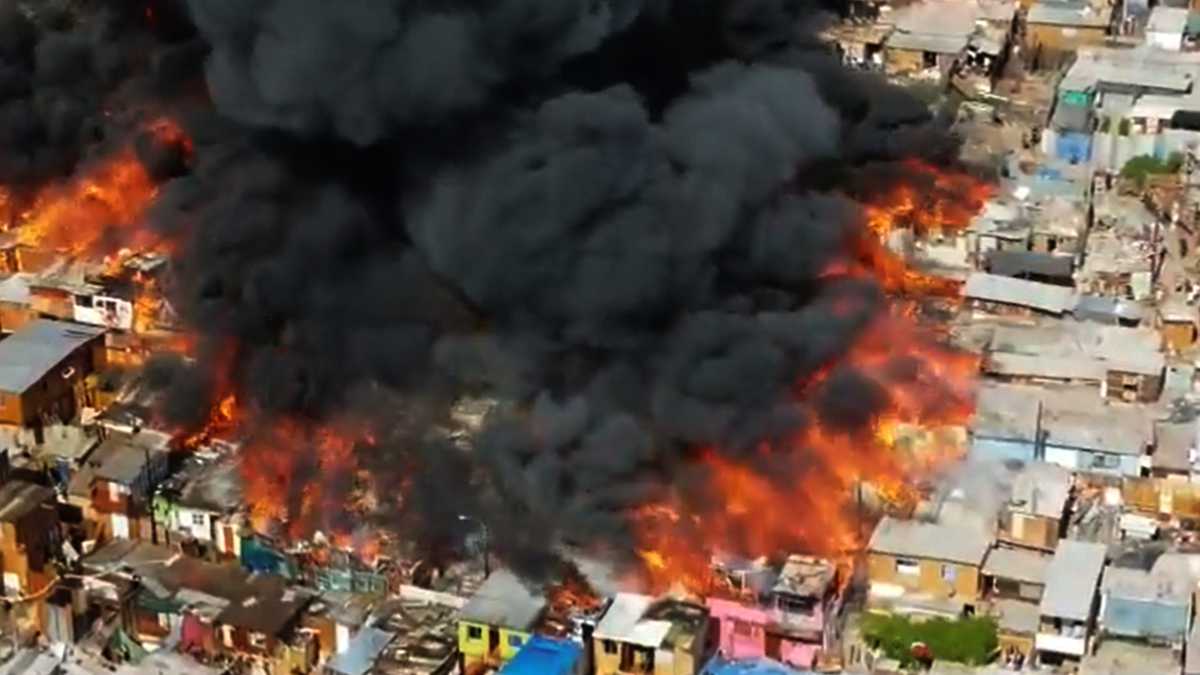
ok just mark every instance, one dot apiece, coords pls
pixel 613 215
pixel 75 82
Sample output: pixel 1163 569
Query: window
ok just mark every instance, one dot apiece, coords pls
pixel 515 640
pixel 949 573
pixel 610 646
pixel 474 632
pixel 84 301
pixel 198 519
pixel 1102 461
pixel 742 628
pixel 907 566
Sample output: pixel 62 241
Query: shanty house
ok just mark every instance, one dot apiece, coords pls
pixel 1177 323
pixel 261 626
pixel 1144 605
pixel 200 505
pixel 1054 30
pixel 29 536
pixel 125 471
pixel 498 620
pixel 1067 612
pixel 1037 509
pixel 938 563
pixel 1166 27
pixel 546 656
pixel 1000 226
pixel 1015 573
pixel 1175 454
pixel 1016 630
pixel 1082 433
pixel 42 370
pixel 929 35
pixel 1108 310
pixel 641 634
pixel 216 610
pixel 1006 294
pixel 792 618
pixel 1005 424
pixel 1044 268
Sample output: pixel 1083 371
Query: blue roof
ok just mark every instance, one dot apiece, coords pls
pixel 544 656
pixel 720 666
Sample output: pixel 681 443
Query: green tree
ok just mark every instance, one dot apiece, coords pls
pixel 1141 167
pixel 966 640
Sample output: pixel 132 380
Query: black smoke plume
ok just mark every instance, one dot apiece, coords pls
pixel 613 216
pixel 78 79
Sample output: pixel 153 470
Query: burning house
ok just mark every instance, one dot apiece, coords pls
pixel 497 621
pixel 201 505
pixel 715 293
pixel 790 614
pixel 655 636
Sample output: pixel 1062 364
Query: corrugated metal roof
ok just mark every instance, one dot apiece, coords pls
pixel 1071 580
pixel 623 622
pixel 504 601
pixel 1041 489
pixel 1068 14
pixel 1143 585
pixel 1006 411
pixel 1093 425
pixel 1064 368
pixel 1018 564
pixel 927 42
pixel 31 352
pixel 1172 445
pixel 362 652
pixel 917 539
pixel 1167 20
pixel 1019 292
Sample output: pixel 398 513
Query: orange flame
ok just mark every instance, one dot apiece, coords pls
pixel 805 494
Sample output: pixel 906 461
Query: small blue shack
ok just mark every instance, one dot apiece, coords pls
pixel 546 656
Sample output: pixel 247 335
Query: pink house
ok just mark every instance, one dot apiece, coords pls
pixel 790 620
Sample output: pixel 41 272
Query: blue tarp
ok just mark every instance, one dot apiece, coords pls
pixel 720 666
pixel 258 556
pixel 545 656
pixel 1073 147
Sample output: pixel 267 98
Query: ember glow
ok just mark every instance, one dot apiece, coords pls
pixel 94 213
pixel 303 478
pixel 805 494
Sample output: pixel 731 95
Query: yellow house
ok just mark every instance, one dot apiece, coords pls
pixel 910 560
pixel 497 621
pixel 639 634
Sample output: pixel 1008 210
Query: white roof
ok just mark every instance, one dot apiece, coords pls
pixel 1145 67
pixel 1012 291
pixel 1167 20
pixel 1071 580
pixel 623 622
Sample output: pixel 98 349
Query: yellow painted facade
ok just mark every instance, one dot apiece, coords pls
pixel 474 643
pixel 933 577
